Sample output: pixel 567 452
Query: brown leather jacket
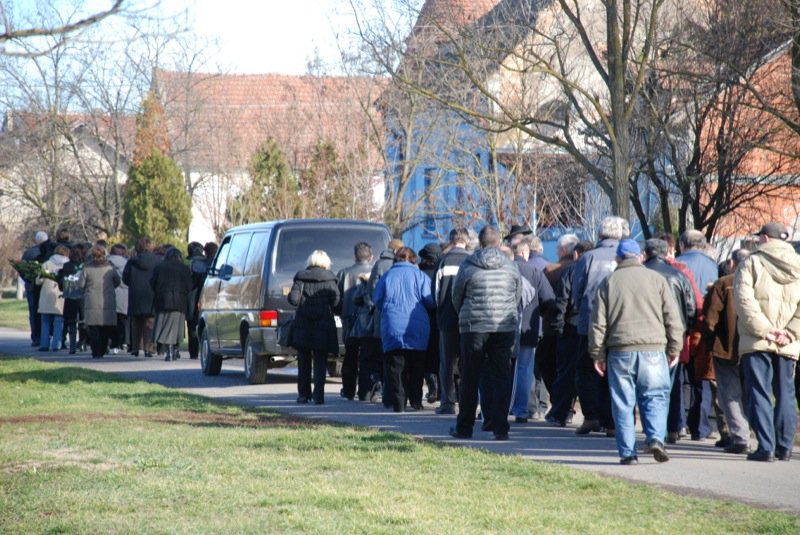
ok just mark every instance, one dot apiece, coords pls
pixel 719 328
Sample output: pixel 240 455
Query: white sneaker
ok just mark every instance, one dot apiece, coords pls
pixel 115 351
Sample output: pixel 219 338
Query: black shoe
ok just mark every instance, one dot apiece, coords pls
pixel 168 357
pixel 762 456
pixel 520 420
pixel 345 396
pixel 555 421
pixel 633 459
pixel 416 406
pixel 135 353
pixel 658 451
pixel 148 355
pixel 723 442
pixel 302 400
pixel 455 434
pixel 738 449
pixel 486 426
pixel 783 454
pixel 71 351
pixel 319 402
pixel 44 349
pixel 501 436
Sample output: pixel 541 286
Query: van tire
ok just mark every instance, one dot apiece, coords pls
pixel 210 362
pixel 255 366
pixel 335 368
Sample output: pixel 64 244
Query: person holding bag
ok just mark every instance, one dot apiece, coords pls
pixel 315 292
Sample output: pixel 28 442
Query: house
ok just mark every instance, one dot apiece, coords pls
pixel 216 122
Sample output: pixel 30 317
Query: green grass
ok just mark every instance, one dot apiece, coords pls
pixel 14 314
pixel 85 452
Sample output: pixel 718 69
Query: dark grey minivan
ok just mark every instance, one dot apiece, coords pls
pixel 245 294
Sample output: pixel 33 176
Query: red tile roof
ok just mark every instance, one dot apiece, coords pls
pixel 217 121
pixel 458 12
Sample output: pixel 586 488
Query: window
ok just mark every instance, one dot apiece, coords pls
pixel 222 254
pixel 238 252
pixel 257 254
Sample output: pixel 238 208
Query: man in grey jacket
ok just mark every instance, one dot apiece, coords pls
pixel 486 292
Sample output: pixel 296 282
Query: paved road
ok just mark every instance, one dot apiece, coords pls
pixel 696 468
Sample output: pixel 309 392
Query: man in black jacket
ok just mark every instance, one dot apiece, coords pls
pixel 447 319
pixel 348 279
pixel 656 252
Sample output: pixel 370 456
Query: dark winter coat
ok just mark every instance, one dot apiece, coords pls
pixel 137 274
pixel 171 284
pixel 543 300
pixel 362 321
pixel 486 293
pixel 403 297
pixel 449 264
pixel 315 293
pixel 384 264
pixel 719 329
pixel 681 289
pixel 348 283
pixel 567 306
pixel 592 269
pixel 72 307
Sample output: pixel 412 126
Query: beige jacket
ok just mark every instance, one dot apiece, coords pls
pixel 51 299
pixel 767 295
pixel 635 310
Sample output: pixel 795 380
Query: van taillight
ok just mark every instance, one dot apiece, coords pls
pixel 268 318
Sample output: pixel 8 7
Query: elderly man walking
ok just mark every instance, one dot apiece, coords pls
pixel 767 296
pixel 635 319
pixel 486 292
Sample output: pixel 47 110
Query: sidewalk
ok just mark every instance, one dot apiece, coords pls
pixel 695 468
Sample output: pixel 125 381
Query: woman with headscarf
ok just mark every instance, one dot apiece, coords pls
pixel 403 298
pixel 99 280
pixel 315 293
pixel 171 284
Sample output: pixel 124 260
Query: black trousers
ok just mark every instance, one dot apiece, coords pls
pixel 545 365
pixel 305 357
pixel 352 349
pixel 99 336
pixel 562 396
pixel 485 357
pixel 405 373
pixel 592 389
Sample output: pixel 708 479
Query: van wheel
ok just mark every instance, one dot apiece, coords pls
pixel 210 362
pixel 255 366
pixel 335 368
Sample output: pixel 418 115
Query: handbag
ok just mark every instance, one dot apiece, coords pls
pixel 285 331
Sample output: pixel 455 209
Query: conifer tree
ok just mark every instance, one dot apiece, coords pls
pixel 156 203
pixel 273 192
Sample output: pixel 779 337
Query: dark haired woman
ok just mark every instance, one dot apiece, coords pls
pixel 68 279
pixel 315 292
pixel 171 284
pixel 137 274
pixel 403 298
pixel 99 280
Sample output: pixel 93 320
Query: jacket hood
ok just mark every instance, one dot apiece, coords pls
pixel 316 274
pixel 489 258
pixel 780 260
pixel 117 261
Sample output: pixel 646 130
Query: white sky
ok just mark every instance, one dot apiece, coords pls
pixel 261 36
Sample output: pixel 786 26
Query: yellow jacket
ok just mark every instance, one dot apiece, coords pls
pixel 767 294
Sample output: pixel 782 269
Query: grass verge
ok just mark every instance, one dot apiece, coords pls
pixel 14 314
pixel 86 452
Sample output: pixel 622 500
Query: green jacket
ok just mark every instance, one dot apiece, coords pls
pixel 634 310
pixel 767 294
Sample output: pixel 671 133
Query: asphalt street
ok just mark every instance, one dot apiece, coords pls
pixel 695 468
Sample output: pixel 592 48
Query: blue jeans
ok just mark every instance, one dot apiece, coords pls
pixel 643 377
pixel 523 379
pixel 57 324
pixel 765 374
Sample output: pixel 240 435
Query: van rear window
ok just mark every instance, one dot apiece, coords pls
pixel 295 244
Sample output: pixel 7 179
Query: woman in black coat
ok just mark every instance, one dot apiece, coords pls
pixel 315 292
pixel 136 275
pixel 171 284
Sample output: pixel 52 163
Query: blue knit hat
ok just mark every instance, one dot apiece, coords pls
pixel 628 248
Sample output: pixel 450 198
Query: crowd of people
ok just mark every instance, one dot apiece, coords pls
pixel 90 295
pixel 491 329
pixel 497 332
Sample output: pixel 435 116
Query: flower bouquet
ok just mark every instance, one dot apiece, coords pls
pixel 29 270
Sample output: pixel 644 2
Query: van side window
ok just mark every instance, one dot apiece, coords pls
pixel 257 254
pixel 238 253
pixel 222 254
